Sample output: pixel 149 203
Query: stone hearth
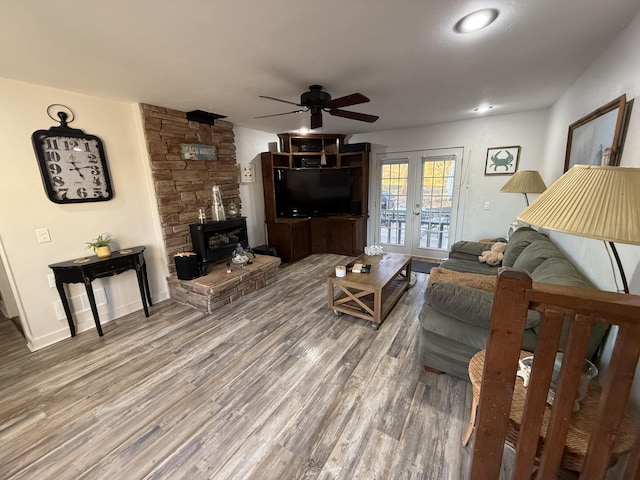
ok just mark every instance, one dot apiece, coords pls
pixel 219 288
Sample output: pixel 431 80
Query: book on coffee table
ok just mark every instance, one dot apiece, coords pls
pixel 355 267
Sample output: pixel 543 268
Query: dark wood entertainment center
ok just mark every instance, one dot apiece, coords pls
pixel 298 237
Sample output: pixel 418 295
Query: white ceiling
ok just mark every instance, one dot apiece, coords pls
pixel 220 55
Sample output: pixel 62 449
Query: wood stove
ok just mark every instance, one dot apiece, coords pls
pixel 215 241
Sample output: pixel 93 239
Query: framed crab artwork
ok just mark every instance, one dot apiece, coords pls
pixel 502 160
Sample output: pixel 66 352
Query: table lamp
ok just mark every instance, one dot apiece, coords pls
pixel 525 181
pixel 594 202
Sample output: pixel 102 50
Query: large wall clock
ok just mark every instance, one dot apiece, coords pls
pixel 72 163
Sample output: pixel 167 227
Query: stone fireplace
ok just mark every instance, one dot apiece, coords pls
pixel 183 186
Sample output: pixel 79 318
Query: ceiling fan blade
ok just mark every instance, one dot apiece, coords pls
pixel 347 100
pixel 279 100
pixel 285 113
pixel 316 120
pixel 363 117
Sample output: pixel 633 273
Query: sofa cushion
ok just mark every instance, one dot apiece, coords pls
pixel 535 253
pixel 466 304
pixel 448 344
pixel 520 240
pixel 465 250
pixel 561 272
pixel 471 266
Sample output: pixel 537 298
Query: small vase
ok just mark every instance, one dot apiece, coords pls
pixel 233 210
pixel 103 252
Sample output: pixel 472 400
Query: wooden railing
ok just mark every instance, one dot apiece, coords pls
pixel 434 226
pixel 515 293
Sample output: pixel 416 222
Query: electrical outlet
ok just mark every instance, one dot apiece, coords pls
pixel 59 310
pixel 43 235
pixel 486 206
pixel 100 296
pixel 52 280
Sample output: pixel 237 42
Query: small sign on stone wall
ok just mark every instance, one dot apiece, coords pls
pixel 193 151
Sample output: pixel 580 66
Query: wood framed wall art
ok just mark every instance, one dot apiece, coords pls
pixel 595 138
pixel 502 160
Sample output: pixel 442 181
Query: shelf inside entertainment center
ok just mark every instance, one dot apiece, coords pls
pixel 297 237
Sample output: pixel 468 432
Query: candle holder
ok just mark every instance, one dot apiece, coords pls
pixel 202 215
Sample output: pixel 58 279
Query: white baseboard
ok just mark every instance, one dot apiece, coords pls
pixel 84 321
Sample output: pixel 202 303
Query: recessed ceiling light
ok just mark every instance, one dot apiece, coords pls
pixel 483 108
pixel 476 20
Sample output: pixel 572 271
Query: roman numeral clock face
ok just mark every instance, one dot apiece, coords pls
pixel 73 165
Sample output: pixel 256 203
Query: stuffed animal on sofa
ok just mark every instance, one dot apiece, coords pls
pixel 493 256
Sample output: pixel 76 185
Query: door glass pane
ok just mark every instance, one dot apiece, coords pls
pixel 437 198
pixel 393 203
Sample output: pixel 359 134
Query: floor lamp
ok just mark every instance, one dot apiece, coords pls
pixel 525 181
pixel 594 202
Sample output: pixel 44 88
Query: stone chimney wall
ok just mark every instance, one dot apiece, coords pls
pixel 183 186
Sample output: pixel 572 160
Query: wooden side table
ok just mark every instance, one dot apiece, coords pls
pixel 580 428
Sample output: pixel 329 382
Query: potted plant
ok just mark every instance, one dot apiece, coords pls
pixel 100 245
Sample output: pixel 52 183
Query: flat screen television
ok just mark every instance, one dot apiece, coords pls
pixel 312 192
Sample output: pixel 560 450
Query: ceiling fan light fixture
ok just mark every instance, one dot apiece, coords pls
pixel 476 20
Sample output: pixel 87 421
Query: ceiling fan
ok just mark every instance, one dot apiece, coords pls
pixel 316 101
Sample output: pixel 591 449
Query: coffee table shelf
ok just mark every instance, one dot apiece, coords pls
pixel 373 295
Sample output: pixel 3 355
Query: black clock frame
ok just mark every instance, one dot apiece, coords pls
pixel 38 138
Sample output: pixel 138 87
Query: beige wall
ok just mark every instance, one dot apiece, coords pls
pixel 131 217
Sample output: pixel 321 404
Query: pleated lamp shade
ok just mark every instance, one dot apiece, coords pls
pixel 591 201
pixel 525 181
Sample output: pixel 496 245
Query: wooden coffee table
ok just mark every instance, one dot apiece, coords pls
pixel 371 295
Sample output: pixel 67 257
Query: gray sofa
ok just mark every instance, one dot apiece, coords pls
pixel 455 319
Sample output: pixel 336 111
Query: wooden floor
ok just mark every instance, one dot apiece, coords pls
pixel 275 386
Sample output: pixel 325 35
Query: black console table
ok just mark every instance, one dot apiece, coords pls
pixel 85 270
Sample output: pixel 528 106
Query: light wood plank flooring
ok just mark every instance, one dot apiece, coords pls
pixel 275 386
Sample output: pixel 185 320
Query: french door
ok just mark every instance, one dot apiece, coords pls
pixel 417 198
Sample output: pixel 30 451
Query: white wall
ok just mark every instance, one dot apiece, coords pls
pixel 526 129
pixel 130 217
pixel 249 144
pixel 615 72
